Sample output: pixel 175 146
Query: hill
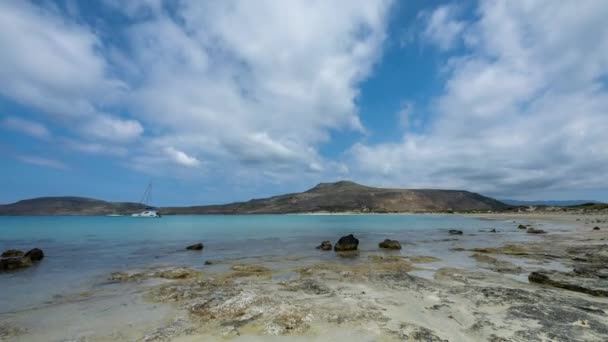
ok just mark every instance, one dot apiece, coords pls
pixel 68 206
pixel 343 196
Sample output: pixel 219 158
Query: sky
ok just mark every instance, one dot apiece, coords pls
pixel 220 101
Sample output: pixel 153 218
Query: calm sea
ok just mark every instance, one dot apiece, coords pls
pixel 82 251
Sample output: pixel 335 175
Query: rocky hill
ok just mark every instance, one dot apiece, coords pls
pixel 347 196
pixel 343 196
pixel 68 206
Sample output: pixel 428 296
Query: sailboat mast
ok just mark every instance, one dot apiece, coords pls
pixel 146 197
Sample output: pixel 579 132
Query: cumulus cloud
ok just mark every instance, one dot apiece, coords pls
pixel 249 84
pixel 53 64
pixel 523 108
pixel 262 82
pixel 109 128
pixel 181 157
pixel 32 128
pixel 442 27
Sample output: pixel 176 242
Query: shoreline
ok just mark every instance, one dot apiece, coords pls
pixel 369 295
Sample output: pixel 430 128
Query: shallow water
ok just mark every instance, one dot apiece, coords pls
pixel 82 251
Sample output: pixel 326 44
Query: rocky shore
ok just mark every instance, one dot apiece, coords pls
pixel 554 288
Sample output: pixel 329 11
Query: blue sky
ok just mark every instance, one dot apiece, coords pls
pixel 218 101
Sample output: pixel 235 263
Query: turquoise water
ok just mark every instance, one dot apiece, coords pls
pixel 82 251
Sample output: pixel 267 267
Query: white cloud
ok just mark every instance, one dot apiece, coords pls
pixel 523 110
pixel 181 158
pixel 110 128
pixel 442 28
pixel 53 64
pixel 28 127
pixel 261 83
pixel 254 84
pixel 46 162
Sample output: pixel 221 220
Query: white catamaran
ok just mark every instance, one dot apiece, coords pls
pixel 149 211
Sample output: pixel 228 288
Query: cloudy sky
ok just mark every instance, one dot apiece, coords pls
pixel 216 101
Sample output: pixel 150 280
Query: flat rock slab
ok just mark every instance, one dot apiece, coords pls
pixel 572 281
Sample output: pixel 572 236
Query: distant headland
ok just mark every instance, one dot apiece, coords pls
pixel 338 197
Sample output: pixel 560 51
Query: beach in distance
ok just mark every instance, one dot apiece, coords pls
pixel 262 277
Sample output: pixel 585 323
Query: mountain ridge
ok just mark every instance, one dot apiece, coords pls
pixel 337 197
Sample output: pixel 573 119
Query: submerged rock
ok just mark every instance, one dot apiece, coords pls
pixel 176 273
pixel 195 247
pixel 390 244
pixel 346 243
pixel 521 226
pixel 248 270
pixel 535 231
pixel 171 273
pixel 12 253
pixel 455 232
pixel 13 263
pixel 324 246
pixel 594 286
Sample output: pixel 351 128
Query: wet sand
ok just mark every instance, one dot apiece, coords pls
pixel 381 296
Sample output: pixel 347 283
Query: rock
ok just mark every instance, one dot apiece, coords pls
pixel 176 273
pixel 35 254
pixel 14 259
pixel 122 276
pixel 247 270
pixel 13 263
pixel 171 273
pixel 596 228
pixel 346 243
pixel 571 281
pixel 325 246
pixel 12 253
pixel 521 226
pixel 390 244
pixel 493 230
pixel 455 232
pixel 195 247
pixel 535 231
pixel 592 271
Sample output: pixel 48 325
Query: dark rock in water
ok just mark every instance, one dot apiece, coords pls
pixel 195 247
pixel 346 243
pixel 14 259
pixel 493 230
pixel 390 244
pixel 455 232
pixel 13 263
pixel 12 253
pixel 535 231
pixel 209 262
pixel 325 246
pixel 521 226
pixel 571 281
pixel 35 254
pixel 596 228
